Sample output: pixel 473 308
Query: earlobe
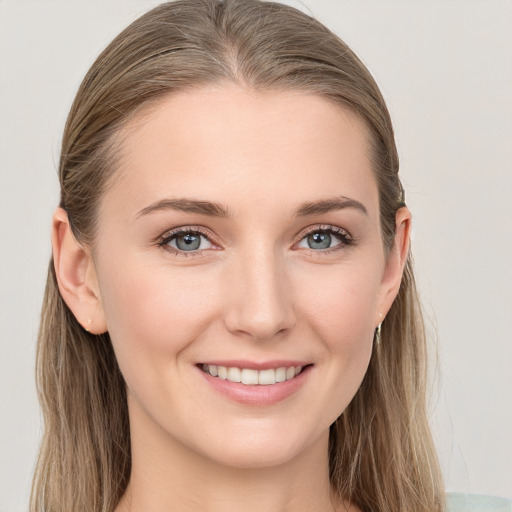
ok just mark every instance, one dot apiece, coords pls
pixel 396 260
pixel 76 275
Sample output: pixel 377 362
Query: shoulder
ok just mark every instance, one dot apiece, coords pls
pixel 458 502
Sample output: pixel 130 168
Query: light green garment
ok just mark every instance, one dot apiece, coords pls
pixel 458 502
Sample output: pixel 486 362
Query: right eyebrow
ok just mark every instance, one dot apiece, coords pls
pixel 187 205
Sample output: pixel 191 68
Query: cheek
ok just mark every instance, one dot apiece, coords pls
pixel 338 307
pixel 153 314
pixel 340 301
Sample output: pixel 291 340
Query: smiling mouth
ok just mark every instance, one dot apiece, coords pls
pixel 251 377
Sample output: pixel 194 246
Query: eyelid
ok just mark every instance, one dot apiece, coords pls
pixel 324 227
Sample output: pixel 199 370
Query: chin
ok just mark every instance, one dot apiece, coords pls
pixel 261 449
pixel 254 457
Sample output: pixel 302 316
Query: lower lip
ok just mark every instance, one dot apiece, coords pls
pixel 257 395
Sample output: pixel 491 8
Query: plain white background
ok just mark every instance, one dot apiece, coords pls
pixel 445 68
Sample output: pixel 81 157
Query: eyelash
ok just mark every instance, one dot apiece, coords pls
pixel 343 236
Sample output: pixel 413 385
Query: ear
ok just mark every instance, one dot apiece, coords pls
pixel 395 263
pixel 76 275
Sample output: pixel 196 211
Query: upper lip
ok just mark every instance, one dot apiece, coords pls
pixel 255 365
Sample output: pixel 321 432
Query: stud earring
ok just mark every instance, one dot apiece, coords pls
pixel 377 333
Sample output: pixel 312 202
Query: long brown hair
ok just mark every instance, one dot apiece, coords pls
pixel 381 453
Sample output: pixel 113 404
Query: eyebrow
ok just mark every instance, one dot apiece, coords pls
pixel 212 209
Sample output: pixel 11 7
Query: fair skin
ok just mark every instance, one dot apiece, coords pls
pixel 247 289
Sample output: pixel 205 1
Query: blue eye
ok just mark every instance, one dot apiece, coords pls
pixel 186 241
pixel 325 238
pixel 319 240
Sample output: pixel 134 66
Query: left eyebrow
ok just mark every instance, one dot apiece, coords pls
pixel 217 210
pixel 328 205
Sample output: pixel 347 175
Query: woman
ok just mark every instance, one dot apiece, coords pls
pixel 230 319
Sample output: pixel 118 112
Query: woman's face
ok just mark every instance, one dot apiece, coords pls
pixel 241 239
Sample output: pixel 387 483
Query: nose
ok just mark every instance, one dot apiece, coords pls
pixel 259 303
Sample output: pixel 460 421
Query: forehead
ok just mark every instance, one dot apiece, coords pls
pixel 230 144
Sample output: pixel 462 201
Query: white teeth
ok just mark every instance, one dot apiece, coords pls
pixel 266 377
pixel 249 376
pixel 281 374
pixel 252 377
pixel 222 372
pixel 234 374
